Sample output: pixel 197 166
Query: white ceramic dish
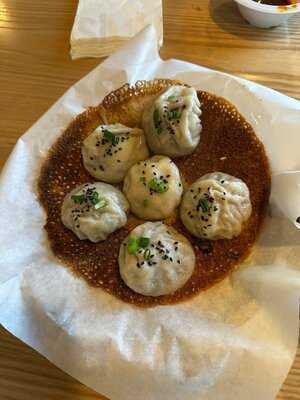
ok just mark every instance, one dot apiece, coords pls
pixel 265 16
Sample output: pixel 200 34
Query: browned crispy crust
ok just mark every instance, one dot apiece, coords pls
pixel 228 144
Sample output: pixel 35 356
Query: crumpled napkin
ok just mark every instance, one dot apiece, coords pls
pixel 102 26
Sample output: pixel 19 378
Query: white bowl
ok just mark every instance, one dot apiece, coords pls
pixel 265 16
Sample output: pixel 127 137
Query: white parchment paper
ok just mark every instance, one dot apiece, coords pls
pixel 234 341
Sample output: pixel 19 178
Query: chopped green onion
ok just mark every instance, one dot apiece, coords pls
pixel 147 254
pixel 157 121
pixel 93 197
pixel 132 245
pixel 142 179
pixel 90 196
pixel 203 203
pixel 101 203
pixel 158 186
pixel 111 137
pixel 78 198
pixel 174 114
pixel 171 98
pixel 143 242
pixel 135 244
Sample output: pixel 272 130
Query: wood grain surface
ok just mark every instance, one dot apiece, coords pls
pixel 35 70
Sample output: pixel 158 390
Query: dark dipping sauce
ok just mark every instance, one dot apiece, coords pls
pixel 228 144
pixel 277 2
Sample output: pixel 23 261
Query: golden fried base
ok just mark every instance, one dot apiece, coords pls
pixel 228 144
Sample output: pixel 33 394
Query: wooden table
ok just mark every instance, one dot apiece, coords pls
pixel 35 70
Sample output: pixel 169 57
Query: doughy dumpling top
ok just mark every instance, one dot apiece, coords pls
pixel 111 150
pixel 216 206
pixel 153 188
pixel 172 123
pixel 155 259
pixel 94 210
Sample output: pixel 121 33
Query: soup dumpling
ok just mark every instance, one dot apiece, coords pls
pixel 111 150
pixel 94 210
pixel 155 259
pixel 216 206
pixel 153 188
pixel 172 123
